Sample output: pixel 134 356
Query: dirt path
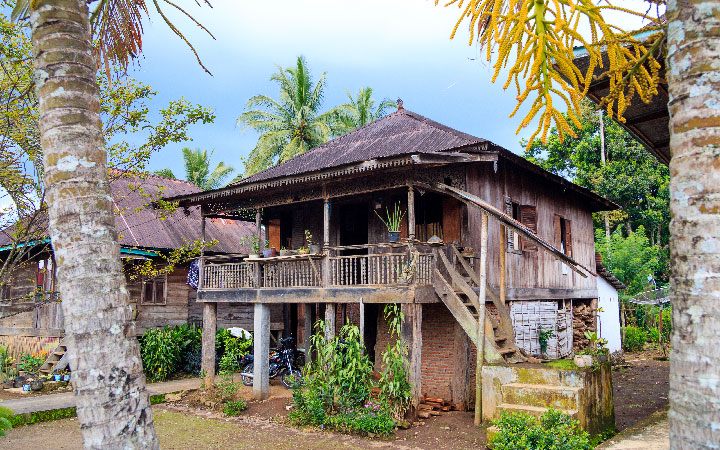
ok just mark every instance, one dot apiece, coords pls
pixel 640 389
pixel 187 431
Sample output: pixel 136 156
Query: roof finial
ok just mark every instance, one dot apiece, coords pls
pixel 399 103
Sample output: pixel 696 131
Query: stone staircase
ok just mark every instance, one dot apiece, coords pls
pixel 456 284
pixel 535 399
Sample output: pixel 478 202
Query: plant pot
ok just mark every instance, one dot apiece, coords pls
pixel 26 388
pixel 66 378
pixel 287 252
pixel 57 377
pixel 269 252
pixel 314 249
pixel 393 236
pixel 254 256
pixel 583 360
pixel 303 251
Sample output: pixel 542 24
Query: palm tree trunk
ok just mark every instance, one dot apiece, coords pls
pixel 112 403
pixel 693 75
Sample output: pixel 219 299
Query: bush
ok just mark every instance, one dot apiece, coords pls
pixel 6 414
pixel 233 351
pixel 161 350
pixel 365 420
pixel 235 408
pixel 31 363
pixel 553 430
pixel 635 338
pixel 395 389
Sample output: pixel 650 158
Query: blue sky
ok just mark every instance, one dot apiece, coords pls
pixel 401 48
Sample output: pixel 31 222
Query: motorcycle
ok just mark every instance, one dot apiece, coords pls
pixel 283 362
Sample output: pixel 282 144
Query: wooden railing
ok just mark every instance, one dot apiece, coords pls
pixel 411 267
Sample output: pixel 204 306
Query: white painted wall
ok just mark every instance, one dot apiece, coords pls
pixel 609 317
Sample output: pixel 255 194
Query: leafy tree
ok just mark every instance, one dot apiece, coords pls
pixel 197 169
pixel 630 258
pixel 360 110
pixel 540 38
pixel 292 124
pixel 167 173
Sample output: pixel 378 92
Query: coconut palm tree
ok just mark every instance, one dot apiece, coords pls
pixel 359 110
pixel 197 169
pixel 290 125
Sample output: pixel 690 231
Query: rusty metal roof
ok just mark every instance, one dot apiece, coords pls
pixel 138 224
pixel 400 133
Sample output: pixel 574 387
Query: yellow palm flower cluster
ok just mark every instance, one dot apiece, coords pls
pixel 537 39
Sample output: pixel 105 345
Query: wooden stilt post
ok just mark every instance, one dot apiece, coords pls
pixel 503 270
pixel 258 234
pixel 208 342
pixel 411 214
pixel 329 321
pixel 362 321
pixel 308 330
pixel 412 337
pixel 261 343
pixel 481 319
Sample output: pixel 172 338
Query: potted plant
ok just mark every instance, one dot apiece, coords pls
pixel 543 338
pixel 303 250
pixel 285 252
pixel 312 248
pixel 392 221
pixel 269 252
pixel 254 242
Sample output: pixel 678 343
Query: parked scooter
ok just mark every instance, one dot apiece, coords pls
pixel 283 361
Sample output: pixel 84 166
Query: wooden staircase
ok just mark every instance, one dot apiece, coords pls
pixel 56 361
pixel 455 283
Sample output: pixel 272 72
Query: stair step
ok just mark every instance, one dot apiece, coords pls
pixel 59 353
pixel 506 351
pixel 541 395
pixel 532 410
pixel 500 338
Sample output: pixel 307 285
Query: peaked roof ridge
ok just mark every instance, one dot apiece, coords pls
pixel 126 174
pixel 441 127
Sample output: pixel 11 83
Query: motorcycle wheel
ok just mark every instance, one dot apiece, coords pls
pixel 292 379
pixel 247 381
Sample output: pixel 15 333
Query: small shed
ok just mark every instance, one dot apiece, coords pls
pixel 608 313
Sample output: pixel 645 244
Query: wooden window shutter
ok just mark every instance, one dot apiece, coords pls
pixel 558 233
pixel 528 217
pixel 568 237
pixel 509 234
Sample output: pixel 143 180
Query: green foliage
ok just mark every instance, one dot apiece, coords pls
pixel 395 389
pixel 392 218
pixel 359 110
pixel 227 387
pixel 234 408
pixel 635 338
pixel 543 338
pixel 290 125
pixel 233 349
pixel 197 169
pixel 337 390
pixel 42 416
pixel 553 430
pixel 166 173
pixel 161 350
pixel 30 363
pixel 630 258
pixel 6 415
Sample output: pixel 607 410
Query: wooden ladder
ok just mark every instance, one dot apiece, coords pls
pixel 461 299
pixel 57 360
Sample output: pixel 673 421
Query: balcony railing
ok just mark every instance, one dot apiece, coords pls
pixel 409 267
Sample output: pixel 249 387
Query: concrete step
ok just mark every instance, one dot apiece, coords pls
pixel 532 410
pixel 541 395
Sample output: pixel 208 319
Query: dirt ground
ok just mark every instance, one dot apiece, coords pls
pixel 640 389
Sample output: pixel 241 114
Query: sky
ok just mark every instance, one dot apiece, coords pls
pixel 400 48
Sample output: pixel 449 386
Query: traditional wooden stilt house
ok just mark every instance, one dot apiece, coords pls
pixel 486 237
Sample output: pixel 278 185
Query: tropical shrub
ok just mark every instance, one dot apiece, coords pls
pixel 395 389
pixel 5 416
pixel 31 362
pixel 553 430
pixel 161 351
pixel 234 348
pixel 635 338
pixel 630 258
pixel 234 408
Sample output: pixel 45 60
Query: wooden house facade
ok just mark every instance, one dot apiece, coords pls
pixel 483 230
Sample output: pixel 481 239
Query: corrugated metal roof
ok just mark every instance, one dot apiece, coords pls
pixel 400 133
pixel 138 224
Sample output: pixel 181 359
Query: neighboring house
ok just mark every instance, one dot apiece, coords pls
pixel 143 235
pixel 608 315
pixel 539 244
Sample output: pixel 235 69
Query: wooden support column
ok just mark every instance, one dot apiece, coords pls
pixel 412 337
pixel 411 214
pixel 460 382
pixel 481 318
pixel 362 321
pixel 330 320
pixel 201 263
pixel 208 342
pixel 258 235
pixel 503 269
pixel 261 342
pixel 308 328
pixel 326 243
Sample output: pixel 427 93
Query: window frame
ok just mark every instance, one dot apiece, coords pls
pixel 154 281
